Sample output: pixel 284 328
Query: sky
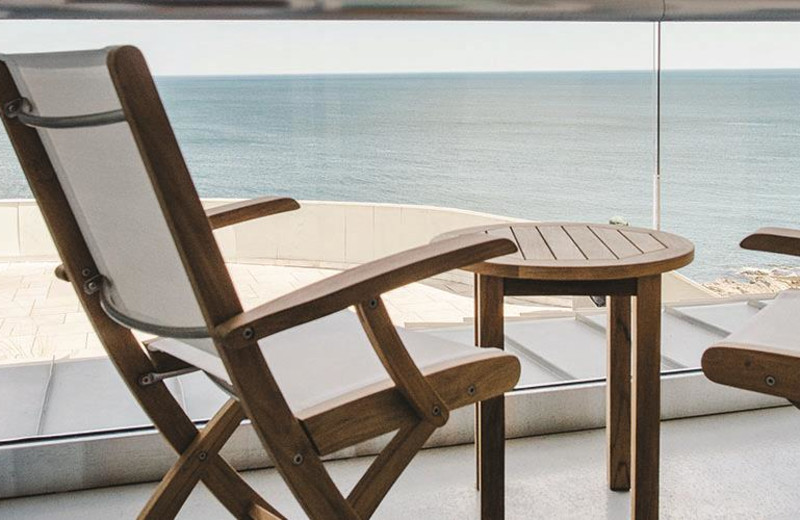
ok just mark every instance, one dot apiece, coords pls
pixel 313 47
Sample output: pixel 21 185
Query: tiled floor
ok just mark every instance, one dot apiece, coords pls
pixel 41 319
pixel 740 466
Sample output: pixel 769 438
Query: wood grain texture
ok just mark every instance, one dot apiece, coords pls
pixel 174 488
pixel 567 251
pixel 592 247
pixel 646 399
pixel 644 242
pixel 242 211
pixel 380 409
pixel 774 240
pixel 387 467
pixel 351 287
pixel 618 393
pixel 490 413
pixel 750 366
pixel 408 379
pixel 531 243
pixel 508 234
pixel 561 243
pixel 173 184
pixel 619 262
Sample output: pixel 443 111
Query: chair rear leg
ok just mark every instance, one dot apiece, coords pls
pixel 168 417
pixel 194 464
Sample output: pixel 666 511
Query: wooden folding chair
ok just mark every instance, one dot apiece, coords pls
pixel 102 161
pixel 764 354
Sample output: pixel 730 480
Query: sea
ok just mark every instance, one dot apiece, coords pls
pixel 575 146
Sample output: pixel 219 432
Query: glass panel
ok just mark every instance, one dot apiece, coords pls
pixel 730 99
pixel 408 130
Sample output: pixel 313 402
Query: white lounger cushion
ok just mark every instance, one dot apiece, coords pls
pixel 326 358
pixel 777 325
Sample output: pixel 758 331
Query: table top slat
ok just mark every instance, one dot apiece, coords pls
pixel 593 248
pixel 616 242
pixel 561 243
pixel 644 241
pixel 576 252
pixel 532 244
pixel 505 232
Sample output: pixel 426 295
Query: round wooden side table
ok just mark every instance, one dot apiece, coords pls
pixel 561 258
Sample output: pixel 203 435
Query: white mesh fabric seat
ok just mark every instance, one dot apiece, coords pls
pixel 328 358
pixel 775 326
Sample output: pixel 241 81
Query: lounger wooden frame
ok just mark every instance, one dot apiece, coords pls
pixel 415 406
pixel 761 369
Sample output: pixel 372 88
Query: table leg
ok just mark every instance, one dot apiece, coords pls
pixel 490 414
pixel 618 393
pixel 646 398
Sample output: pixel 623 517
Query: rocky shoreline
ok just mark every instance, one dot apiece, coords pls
pixel 756 281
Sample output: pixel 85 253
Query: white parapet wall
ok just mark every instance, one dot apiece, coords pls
pixel 319 234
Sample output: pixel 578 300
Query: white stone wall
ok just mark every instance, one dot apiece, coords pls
pixel 325 234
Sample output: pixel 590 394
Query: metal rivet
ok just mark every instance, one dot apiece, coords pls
pixel 85 272
pixel 471 390
pixel 146 379
pixel 202 455
pixel 297 459
pixel 373 304
pixel 436 411
pixel 248 333
pixel 771 381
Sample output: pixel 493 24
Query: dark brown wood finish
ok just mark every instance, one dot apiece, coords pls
pixel 490 413
pixel 618 393
pixel 564 251
pixel 774 240
pixel 350 287
pixel 242 211
pixel 592 259
pixel 766 370
pixel 646 398
pixel 293 443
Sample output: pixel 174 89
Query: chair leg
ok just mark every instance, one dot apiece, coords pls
pixel 194 463
pixel 169 418
pixel 387 467
pixel 284 438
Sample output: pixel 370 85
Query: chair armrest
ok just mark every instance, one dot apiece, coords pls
pixel 61 273
pixel 760 369
pixel 774 240
pixel 236 212
pixel 359 284
pixel 233 213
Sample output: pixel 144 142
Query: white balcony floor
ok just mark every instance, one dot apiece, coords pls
pixel 732 466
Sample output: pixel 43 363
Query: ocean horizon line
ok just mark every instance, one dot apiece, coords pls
pixel 470 73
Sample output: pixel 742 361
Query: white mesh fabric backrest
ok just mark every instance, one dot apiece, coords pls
pixel 107 186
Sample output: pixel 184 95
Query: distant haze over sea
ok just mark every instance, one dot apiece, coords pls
pixel 541 145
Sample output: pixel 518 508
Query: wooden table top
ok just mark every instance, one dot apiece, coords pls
pixel 576 251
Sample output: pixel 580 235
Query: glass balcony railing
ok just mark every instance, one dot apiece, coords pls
pixel 411 136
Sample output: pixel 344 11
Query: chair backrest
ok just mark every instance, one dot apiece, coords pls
pixel 105 178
